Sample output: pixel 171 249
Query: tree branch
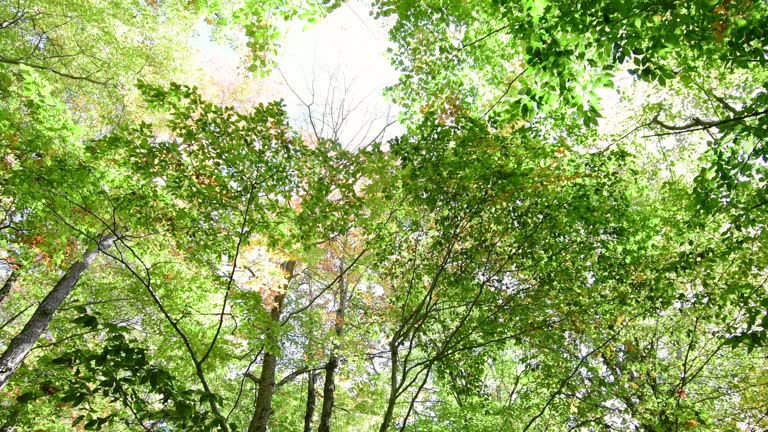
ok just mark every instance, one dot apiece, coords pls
pixel 231 275
pixel 54 71
pixel 291 376
pixel 506 91
pixel 697 124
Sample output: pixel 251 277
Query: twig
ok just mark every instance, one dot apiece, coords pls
pixel 506 91
pixel 482 38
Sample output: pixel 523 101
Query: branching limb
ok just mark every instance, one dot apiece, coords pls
pixel 291 376
pixel 697 124
pixel 506 91
pixel 54 71
pixel 241 236
pixel 573 373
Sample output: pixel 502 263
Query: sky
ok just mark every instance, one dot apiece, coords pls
pixel 342 61
pixel 338 67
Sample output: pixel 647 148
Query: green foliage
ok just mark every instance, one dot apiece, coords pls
pixel 92 52
pixel 121 373
pixel 522 58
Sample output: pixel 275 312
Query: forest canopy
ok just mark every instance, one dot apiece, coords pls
pixel 566 235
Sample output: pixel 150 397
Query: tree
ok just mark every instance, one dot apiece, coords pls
pixel 526 50
pixel 266 383
pixel 93 52
pixel 19 347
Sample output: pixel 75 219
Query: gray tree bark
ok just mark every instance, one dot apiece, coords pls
pixel 309 412
pixel 23 342
pixel 263 407
pixel 8 284
pixel 394 386
pixel 329 386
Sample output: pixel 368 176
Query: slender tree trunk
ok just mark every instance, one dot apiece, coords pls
pixel 8 284
pixel 311 401
pixel 23 342
pixel 263 408
pixel 393 388
pixel 329 386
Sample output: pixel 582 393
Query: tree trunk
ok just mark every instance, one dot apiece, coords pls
pixel 21 345
pixel 393 388
pixel 263 408
pixel 311 401
pixel 8 284
pixel 329 386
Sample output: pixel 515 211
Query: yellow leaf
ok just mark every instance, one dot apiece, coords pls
pixel 620 319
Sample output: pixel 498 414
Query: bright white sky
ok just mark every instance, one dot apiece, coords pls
pixel 341 60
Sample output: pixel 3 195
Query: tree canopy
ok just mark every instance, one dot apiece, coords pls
pixel 567 236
